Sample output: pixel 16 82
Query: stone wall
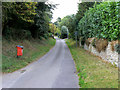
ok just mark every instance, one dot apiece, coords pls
pixel 108 54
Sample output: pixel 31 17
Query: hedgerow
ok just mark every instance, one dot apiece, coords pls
pixel 101 21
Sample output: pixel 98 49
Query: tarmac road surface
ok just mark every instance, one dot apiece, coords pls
pixel 56 69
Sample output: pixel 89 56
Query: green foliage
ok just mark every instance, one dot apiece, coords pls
pixel 82 8
pixel 70 23
pixel 50 34
pixel 64 32
pixel 45 36
pixel 57 22
pixel 42 19
pixel 7 33
pixel 82 76
pixel 54 29
pixel 31 18
pixel 23 34
pixel 16 12
pixel 57 32
pixel 117 48
pixel 101 21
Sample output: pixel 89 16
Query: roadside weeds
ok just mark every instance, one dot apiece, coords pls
pixel 92 71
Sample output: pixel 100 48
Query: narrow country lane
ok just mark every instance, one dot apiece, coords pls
pixel 56 69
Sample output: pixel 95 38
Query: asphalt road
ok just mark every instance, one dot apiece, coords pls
pixel 56 69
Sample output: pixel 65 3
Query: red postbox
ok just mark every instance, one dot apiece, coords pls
pixel 19 50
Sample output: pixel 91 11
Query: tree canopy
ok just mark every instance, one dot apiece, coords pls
pixel 29 19
pixel 94 19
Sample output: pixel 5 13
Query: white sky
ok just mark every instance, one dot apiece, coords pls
pixel 66 7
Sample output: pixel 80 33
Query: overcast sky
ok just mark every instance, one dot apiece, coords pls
pixel 66 7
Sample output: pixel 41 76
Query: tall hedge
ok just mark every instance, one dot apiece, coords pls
pixel 101 21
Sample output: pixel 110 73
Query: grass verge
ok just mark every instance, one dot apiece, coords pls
pixel 92 71
pixel 32 51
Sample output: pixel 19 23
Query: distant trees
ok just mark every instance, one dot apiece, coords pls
pixel 53 29
pixel 71 21
pixel 94 19
pixel 57 26
pixel 26 18
pixel 64 32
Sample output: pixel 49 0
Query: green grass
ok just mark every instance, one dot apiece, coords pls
pixel 92 71
pixel 33 50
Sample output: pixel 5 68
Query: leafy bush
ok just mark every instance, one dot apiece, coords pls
pixel 12 33
pixel 101 21
pixel 25 34
pixel 45 36
pixel 64 32
pixel 50 34
pixel 25 20
pixel 7 32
